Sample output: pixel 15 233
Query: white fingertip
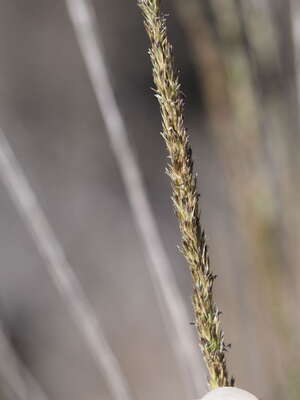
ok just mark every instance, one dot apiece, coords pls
pixel 229 393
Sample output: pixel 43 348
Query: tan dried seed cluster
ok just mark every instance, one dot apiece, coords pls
pixel 185 196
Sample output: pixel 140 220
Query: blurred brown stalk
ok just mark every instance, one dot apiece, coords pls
pixel 232 44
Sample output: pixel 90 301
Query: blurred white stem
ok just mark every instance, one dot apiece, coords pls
pixel 16 381
pixel 60 270
pixel 171 301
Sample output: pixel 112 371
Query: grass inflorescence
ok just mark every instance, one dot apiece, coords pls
pixel 185 195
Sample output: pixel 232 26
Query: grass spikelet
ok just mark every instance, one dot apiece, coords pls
pixel 185 196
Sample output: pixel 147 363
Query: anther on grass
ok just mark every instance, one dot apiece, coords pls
pixel 184 194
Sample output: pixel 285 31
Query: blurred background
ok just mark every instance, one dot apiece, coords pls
pixel 239 62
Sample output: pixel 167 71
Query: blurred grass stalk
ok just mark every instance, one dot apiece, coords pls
pixel 269 30
pixel 279 106
pixel 272 42
pixel 17 383
pixel 228 71
pixel 61 271
pixel 185 195
pixel 270 48
pixel 295 20
pixel 295 211
pixel 83 17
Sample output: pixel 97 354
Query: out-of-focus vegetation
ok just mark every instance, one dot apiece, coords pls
pixel 239 63
pixel 245 56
